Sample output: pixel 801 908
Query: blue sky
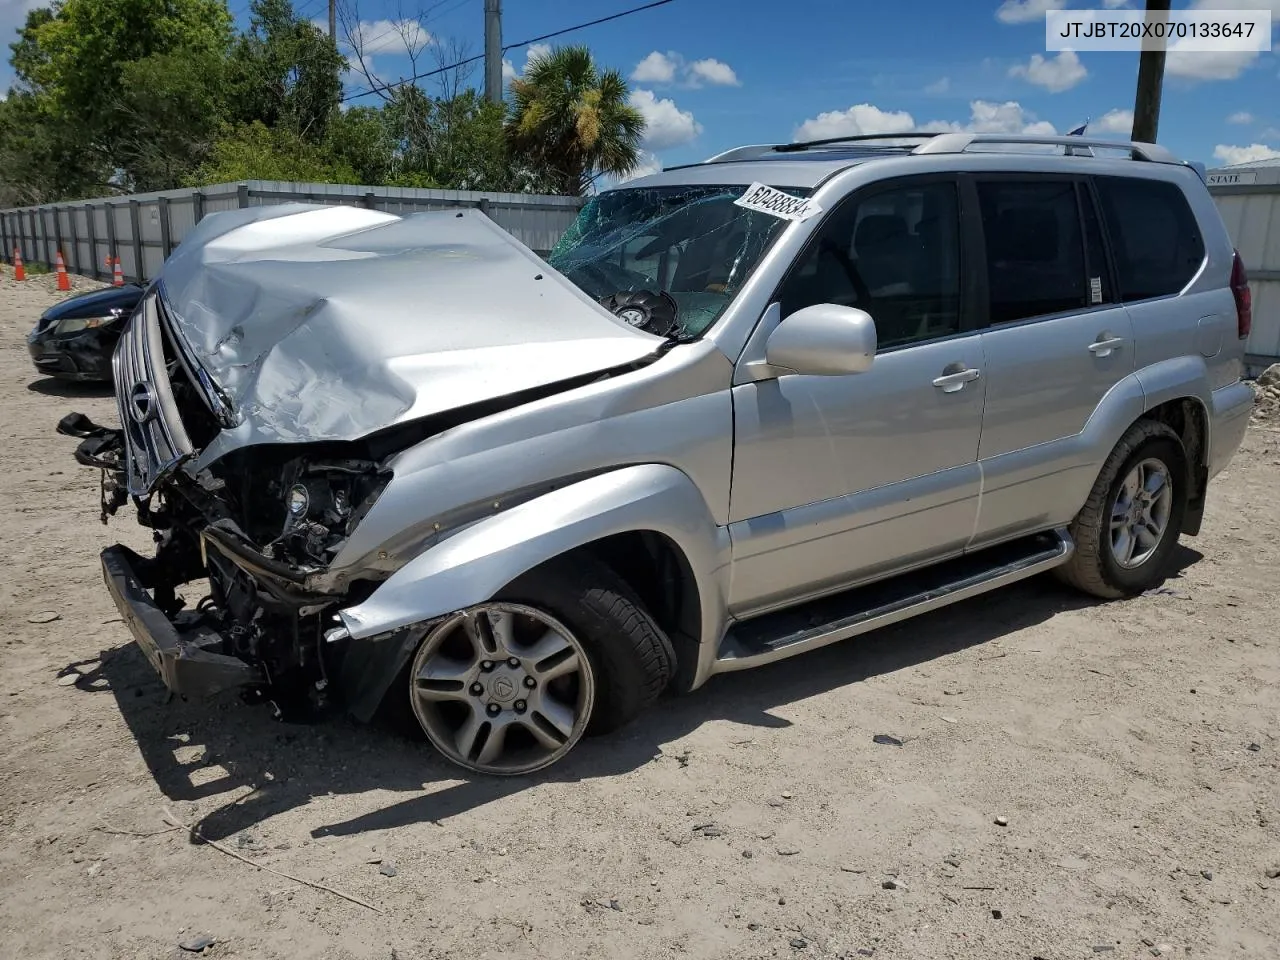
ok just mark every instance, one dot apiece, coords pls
pixel 712 74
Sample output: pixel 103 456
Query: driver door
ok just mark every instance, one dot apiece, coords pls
pixel 843 479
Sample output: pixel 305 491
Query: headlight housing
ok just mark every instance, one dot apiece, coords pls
pixel 79 324
pixel 322 503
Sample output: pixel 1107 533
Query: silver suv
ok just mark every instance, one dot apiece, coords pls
pixel 744 409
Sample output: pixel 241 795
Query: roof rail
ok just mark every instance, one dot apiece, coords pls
pixel 756 150
pixel 960 142
pixel 749 152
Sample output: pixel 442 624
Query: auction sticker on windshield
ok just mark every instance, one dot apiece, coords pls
pixel 777 203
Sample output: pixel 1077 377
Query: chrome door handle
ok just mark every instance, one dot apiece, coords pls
pixel 951 382
pixel 1106 347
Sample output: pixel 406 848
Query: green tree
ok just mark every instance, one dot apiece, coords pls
pixel 170 105
pixel 258 152
pixel 360 138
pixel 572 120
pixel 284 72
pixel 77 60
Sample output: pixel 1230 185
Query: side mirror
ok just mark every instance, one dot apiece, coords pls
pixel 823 340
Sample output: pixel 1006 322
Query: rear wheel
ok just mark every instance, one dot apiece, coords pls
pixel 1128 529
pixel 509 686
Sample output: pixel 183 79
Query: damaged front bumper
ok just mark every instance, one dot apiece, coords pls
pixel 183 650
pixel 268 627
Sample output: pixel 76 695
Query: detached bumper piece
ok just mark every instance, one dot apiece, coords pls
pixel 183 655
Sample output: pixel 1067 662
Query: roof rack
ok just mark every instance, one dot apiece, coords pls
pixel 756 150
pixel 940 142
pixel 960 142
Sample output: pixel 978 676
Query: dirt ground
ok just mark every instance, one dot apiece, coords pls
pixel 1132 747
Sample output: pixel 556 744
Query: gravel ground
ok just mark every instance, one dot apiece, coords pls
pixel 1072 779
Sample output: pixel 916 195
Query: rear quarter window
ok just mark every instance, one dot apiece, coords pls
pixel 1154 236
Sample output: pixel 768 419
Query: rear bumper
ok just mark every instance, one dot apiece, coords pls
pixel 1232 406
pixel 183 654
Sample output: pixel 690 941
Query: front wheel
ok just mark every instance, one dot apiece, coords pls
pixel 1128 529
pixel 510 686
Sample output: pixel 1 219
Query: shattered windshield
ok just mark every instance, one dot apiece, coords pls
pixel 668 259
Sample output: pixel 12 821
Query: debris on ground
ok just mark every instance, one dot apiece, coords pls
pixel 709 830
pixel 388 869
pixel 44 616
pixel 1002 821
pixel 69 679
pixel 885 740
pixel 197 944
pixel 1266 393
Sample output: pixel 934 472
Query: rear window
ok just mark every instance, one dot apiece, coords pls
pixel 1154 236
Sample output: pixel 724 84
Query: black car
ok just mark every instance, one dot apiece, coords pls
pixel 74 339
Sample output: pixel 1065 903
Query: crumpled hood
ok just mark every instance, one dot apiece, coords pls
pixel 328 323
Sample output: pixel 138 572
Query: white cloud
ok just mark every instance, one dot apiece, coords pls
pixel 389 36
pixel 657 68
pixel 509 71
pixel 713 72
pixel 1057 74
pixel 1240 117
pixel 1255 151
pixel 649 165
pixel 1115 4
pixel 664 69
pixel 941 85
pixel 1207 64
pixel 1271 133
pixel 1007 117
pixel 1215 64
pixel 1115 121
pixel 1025 11
pixel 860 118
pixel 984 117
pixel 666 125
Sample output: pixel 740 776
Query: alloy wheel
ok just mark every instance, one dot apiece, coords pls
pixel 1140 514
pixel 502 688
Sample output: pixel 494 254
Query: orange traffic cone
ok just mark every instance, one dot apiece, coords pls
pixel 19 271
pixel 64 281
pixel 117 276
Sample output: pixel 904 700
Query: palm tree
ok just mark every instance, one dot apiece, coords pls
pixel 573 121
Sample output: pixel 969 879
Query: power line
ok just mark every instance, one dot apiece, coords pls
pixel 510 46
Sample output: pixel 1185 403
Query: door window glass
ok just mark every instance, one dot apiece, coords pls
pixel 1035 255
pixel 894 254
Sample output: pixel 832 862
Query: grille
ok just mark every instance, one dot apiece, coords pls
pixel 156 441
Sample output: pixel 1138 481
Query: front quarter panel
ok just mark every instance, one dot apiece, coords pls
pixel 471 566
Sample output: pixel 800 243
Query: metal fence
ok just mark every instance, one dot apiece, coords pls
pixel 143 229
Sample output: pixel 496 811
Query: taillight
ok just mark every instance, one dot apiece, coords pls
pixel 1244 299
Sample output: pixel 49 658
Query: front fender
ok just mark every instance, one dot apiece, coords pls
pixel 474 564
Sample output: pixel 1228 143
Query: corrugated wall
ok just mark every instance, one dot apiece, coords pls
pixel 1251 212
pixel 143 229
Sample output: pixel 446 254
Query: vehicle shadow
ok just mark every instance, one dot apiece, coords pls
pixel 205 749
pixel 70 389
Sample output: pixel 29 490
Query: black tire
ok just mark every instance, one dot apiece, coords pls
pixel 631 656
pixel 1093 567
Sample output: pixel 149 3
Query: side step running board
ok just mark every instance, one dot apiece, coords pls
pixel 774 636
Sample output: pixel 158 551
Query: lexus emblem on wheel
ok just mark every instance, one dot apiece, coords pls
pixel 142 402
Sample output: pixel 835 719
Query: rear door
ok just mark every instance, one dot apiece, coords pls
pixel 1056 340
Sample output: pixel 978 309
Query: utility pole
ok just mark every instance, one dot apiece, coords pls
pixel 1146 105
pixel 492 50
pixel 333 21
